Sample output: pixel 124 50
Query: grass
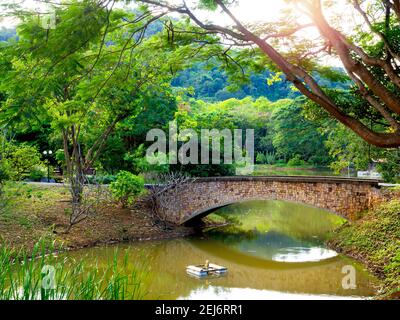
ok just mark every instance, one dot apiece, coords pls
pixel 47 277
pixel 375 239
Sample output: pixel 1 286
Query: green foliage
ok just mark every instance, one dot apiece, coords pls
pixel 59 156
pixel 205 170
pixel 270 157
pixel 296 161
pixel 4 171
pixel 266 158
pixel 260 158
pixel 389 167
pixel 37 172
pixel 104 179
pixel 347 149
pixel 293 134
pixel 127 187
pixel 86 84
pixel 22 278
pixel 375 238
pixel 208 4
pixel 138 163
pixel 22 159
pixel 281 131
pixel 213 85
pixel 83 82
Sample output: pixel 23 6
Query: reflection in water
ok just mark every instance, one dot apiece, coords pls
pixel 275 251
pixel 278 230
pixel 218 293
pixel 300 254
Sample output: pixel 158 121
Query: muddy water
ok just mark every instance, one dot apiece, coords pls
pixel 273 250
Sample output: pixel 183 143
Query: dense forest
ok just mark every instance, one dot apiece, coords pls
pixel 288 130
pixel 214 85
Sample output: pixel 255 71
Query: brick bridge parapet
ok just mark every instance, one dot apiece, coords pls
pixel 343 196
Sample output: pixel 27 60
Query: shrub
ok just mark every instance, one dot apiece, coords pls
pixel 23 158
pixel 5 170
pixel 127 187
pixel 270 157
pixel 260 158
pixel 37 173
pixel 296 161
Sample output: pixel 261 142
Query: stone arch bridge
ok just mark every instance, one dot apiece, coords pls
pixel 342 196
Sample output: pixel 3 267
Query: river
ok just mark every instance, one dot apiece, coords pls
pixel 272 249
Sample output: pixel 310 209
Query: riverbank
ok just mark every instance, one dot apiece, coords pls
pixel 39 212
pixel 374 240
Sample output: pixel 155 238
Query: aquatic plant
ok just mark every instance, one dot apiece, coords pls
pixel 47 276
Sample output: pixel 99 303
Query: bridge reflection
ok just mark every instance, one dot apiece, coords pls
pixel 167 278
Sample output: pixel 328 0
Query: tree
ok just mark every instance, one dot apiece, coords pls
pixel 292 134
pixel 77 79
pixel 371 62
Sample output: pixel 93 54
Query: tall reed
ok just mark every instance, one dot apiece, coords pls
pixel 48 277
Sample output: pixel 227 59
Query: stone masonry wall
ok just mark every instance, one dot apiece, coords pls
pixel 344 197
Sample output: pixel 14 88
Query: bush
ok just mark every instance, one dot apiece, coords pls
pixel 5 170
pixel 23 158
pixel 260 158
pixel 270 158
pixel 37 173
pixel 127 187
pixel 296 161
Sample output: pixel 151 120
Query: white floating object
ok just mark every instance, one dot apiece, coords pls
pixel 197 271
pixel 206 270
pixel 217 268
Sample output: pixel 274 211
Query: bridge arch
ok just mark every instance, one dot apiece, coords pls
pixel 342 196
pixel 206 211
